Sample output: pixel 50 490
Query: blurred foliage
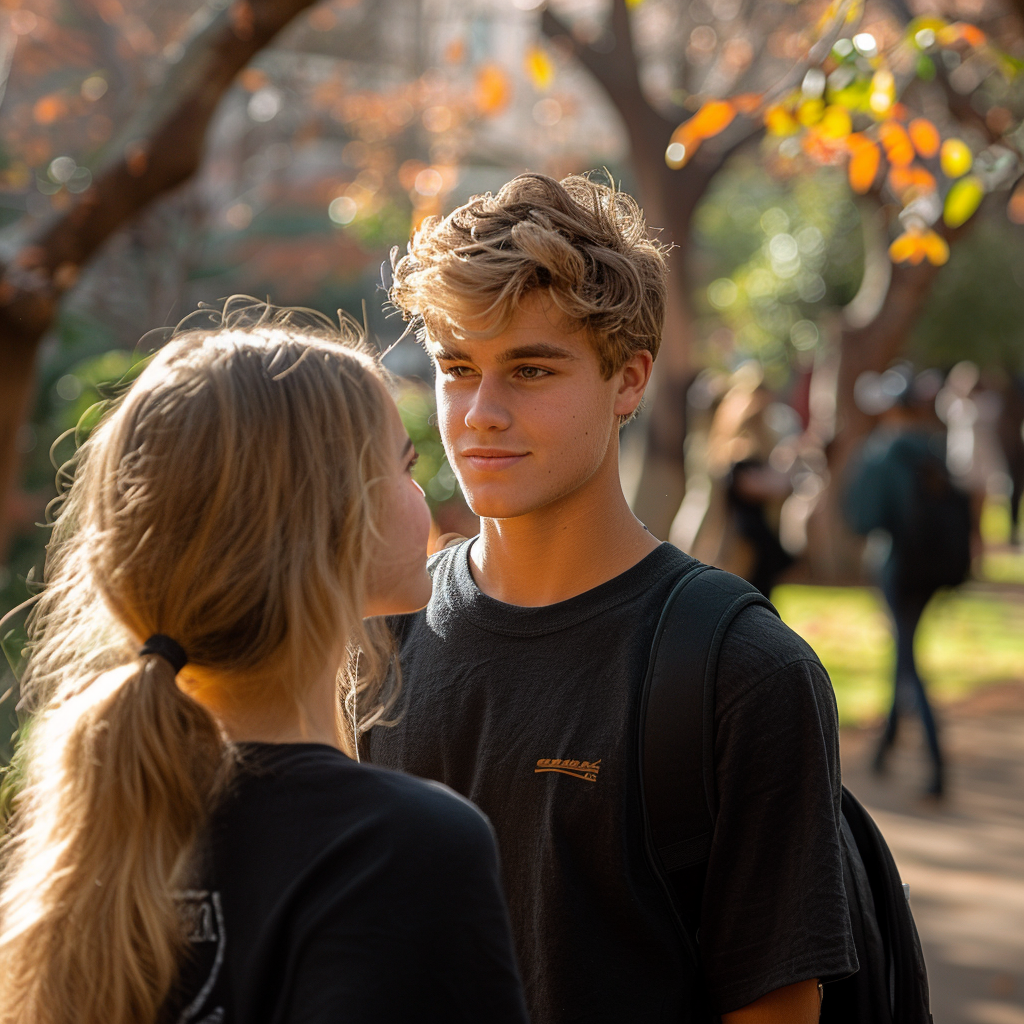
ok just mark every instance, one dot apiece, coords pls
pixel 780 254
pixel 851 107
pixel 432 471
pixel 976 308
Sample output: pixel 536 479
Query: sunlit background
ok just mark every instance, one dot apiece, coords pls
pixel 842 185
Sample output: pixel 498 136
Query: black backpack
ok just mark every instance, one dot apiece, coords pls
pixel 932 540
pixel 677 782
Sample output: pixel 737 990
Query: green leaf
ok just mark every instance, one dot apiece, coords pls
pixel 925 67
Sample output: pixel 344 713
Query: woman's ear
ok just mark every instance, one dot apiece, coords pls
pixel 633 377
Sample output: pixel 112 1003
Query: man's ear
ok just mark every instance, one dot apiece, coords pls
pixel 633 377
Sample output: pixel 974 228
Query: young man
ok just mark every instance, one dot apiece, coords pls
pixel 542 308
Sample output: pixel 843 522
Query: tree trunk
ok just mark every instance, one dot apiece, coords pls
pixel 161 148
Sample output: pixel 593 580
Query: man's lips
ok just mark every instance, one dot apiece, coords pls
pixel 490 459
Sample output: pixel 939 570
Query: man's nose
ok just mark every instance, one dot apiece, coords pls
pixel 488 409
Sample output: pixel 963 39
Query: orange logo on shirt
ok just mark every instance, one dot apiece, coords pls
pixel 586 770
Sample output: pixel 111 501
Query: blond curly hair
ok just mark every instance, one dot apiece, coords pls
pixel 585 243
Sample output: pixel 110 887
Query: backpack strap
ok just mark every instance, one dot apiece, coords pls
pixel 676 722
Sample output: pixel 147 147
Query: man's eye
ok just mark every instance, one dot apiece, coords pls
pixel 412 463
pixel 532 372
pixel 456 371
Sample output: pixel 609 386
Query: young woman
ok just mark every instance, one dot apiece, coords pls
pixel 195 840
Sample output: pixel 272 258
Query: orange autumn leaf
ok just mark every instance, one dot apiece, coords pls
pixel 899 112
pixel 971 34
pixel 911 179
pixel 925 137
pixel 899 150
pixel 865 157
pixel 714 117
pixel 252 79
pixel 49 109
pixel 924 180
pixel 682 145
pixel 492 89
pixel 1015 208
pixel 747 102
pixel 685 135
pixel 900 179
pixel 455 51
pixel 822 148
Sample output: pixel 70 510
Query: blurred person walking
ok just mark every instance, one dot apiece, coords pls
pixel 900 484
pixel 194 841
pixel 1010 431
pixel 740 529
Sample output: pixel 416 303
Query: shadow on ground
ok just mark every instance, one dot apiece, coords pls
pixel 964 858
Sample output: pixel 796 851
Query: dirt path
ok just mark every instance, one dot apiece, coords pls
pixel 964 860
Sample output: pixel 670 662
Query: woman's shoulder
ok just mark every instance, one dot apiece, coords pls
pixel 308 786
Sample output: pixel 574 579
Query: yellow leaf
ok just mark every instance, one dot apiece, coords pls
pixel 883 92
pixel 779 121
pixel 835 122
pixel 539 68
pixel 963 199
pixel 904 248
pixel 935 248
pixel 956 158
pixel 810 112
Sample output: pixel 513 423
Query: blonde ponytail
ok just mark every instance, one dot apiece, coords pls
pixel 130 757
pixel 228 502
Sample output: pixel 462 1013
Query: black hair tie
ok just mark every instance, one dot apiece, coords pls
pixel 168 649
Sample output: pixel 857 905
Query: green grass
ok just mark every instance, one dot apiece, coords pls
pixel 966 639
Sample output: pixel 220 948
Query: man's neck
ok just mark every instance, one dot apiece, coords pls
pixel 564 549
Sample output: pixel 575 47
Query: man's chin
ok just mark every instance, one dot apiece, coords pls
pixel 504 506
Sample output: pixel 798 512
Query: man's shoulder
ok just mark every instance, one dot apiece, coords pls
pixel 761 655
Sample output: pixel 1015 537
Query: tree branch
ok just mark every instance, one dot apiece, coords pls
pixel 616 71
pixel 162 147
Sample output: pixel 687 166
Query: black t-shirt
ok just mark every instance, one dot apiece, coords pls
pixel 340 893
pixel 532 714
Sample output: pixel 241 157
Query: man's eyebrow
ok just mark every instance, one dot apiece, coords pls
pixel 450 354
pixel 540 350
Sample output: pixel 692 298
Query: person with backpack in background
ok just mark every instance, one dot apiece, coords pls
pixel 900 484
pixel 524 679
pixel 194 842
